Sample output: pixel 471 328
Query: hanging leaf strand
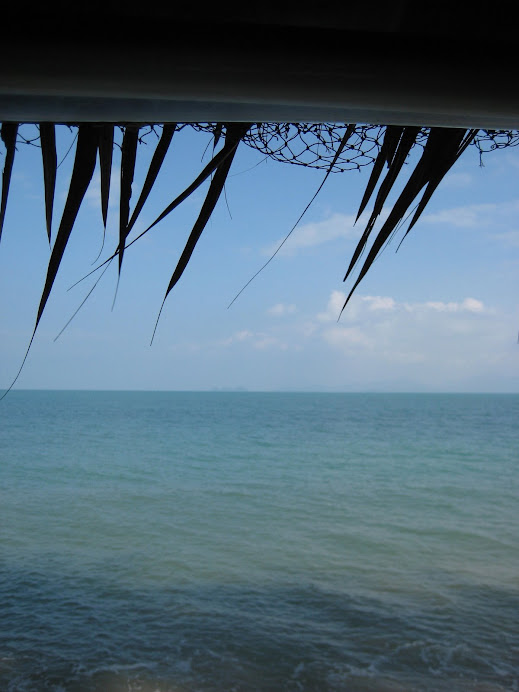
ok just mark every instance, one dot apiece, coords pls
pixel 50 164
pixel 8 134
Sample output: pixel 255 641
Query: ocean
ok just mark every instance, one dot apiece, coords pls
pixel 168 542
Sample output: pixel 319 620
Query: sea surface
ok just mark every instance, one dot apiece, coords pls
pixel 167 542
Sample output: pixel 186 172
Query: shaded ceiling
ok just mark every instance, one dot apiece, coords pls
pixel 390 63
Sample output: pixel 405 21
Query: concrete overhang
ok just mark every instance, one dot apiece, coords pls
pixel 171 67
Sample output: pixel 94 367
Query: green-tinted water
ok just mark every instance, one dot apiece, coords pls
pixel 211 541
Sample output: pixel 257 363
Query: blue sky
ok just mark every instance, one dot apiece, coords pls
pixel 442 314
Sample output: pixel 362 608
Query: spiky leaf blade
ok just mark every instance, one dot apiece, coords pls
pixel 217 160
pixel 234 134
pixel 462 139
pixel 406 143
pixel 397 158
pixel 84 166
pixel 386 154
pixel 106 147
pixel 392 136
pixel 50 164
pixel 435 155
pixel 217 134
pixel 128 157
pixel 8 134
pixel 155 165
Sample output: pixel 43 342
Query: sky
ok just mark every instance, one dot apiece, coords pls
pixel 439 315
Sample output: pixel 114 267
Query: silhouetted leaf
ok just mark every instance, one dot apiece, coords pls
pixel 218 159
pixel 391 138
pixel 440 153
pixel 106 147
pixel 441 170
pixel 234 134
pixel 50 163
pixel 406 143
pixel 156 163
pixel 401 140
pixel 217 134
pixel 84 166
pixel 128 156
pixel 226 151
pixel 8 134
pixel 349 131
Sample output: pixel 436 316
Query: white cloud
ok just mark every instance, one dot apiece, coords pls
pixel 472 305
pixel 316 233
pixel 476 215
pixel 281 309
pixel 463 217
pixel 466 305
pixel 263 341
pixel 438 337
pixel 347 337
pixel 379 302
pixel 242 335
pixel 386 344
pixel 334 307
pixel 355 306
pixel 257 340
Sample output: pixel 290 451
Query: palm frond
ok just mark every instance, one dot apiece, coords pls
pixel 443 148
pixel 50 164
pixel 84 166
pixel 401 141
pixel 392 137
pixel 128 157
pixel 156 163
pixel 106 148
pixel 234 134
pixel 217 160
pixel 345 148
pixel 439 173
pixel 8 135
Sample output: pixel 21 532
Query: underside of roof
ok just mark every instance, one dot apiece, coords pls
pixel 399 63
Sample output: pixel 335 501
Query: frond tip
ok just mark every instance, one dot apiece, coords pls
pixel 442 149
pixel 8 134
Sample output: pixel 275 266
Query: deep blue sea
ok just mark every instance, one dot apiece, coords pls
pixel 167 542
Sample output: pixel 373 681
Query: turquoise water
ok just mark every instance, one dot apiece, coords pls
pixel 239 541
